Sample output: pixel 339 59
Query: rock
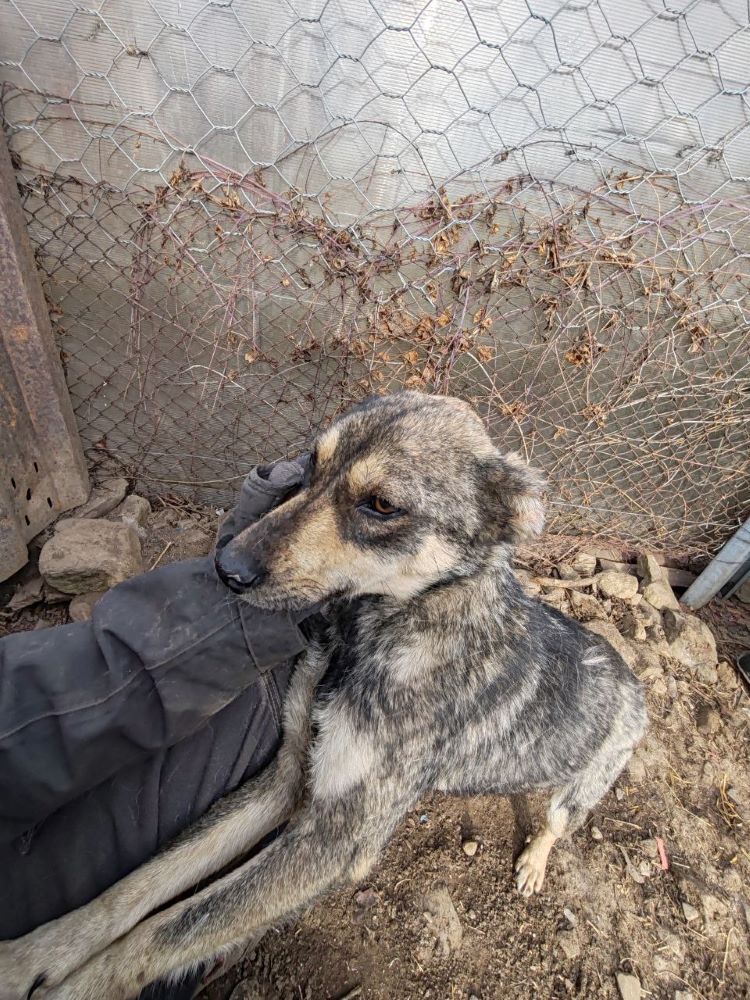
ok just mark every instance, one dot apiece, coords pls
pixel 81 607
pixel 586 607
pixel 648 614
pixel 743 593
pixel 681 578
pixel 528 582
pixel 707 720
pixel 649 670
pixel 470 848
pixel 707 675
pixel 569 944
pixel 553 595
pixel 608 631
pixel 689 912
pixel 727 675
pixel 442 920
pixel 649 569
pixel 29 593
pixel 660 596
pixel 103 499
pixel 714 910
pixel 691 642
pixel 135 510
pixel 683 995
pixel 659 688
pixel 246 991
pixel 736 797
pixel 584 563
pixel 570 917
pixel 612 584
pixel 54 596
pixel 615 566
pixel 596 833
pixel 632 627
pixel 566 571
pixel 86 555
pixel 192 542
pixel 366 899
pixel 646 869
pixel 629 986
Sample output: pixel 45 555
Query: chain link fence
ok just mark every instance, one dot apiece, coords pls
pixel 248 215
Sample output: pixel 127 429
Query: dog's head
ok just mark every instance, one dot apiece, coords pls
pixel 403 492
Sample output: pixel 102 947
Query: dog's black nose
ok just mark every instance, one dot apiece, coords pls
pixel 237 570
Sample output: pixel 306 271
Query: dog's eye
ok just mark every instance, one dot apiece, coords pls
pixel 381 507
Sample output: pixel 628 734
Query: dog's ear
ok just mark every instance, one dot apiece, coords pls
pixel 513 491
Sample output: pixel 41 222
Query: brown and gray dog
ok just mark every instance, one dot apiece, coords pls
pixel 434 671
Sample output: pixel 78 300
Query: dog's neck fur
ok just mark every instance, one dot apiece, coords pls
pixel 360 629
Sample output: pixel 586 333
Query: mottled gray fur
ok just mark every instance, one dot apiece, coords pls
pixel 434 671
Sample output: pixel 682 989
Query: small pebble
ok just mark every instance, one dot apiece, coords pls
pixel 689 912
pixel 596 833
pixel 707 720
pixel 570 917
pixel 470 847
pixel 629 986
pixel 569 944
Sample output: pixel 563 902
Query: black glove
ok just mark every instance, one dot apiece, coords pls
pixel 264 488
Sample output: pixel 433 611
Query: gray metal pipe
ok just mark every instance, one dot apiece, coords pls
pixel 729 565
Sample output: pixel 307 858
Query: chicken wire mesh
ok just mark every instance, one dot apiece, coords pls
pixel 249 215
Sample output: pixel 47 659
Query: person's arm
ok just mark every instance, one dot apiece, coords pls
pixel 162 653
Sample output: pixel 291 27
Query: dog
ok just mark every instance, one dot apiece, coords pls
pixel 434 671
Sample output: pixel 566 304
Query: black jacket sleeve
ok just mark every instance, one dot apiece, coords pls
pixel 162 653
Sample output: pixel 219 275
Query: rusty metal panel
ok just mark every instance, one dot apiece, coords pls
pixel 42 468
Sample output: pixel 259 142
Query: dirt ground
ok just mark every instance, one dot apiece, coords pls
pixel 657 884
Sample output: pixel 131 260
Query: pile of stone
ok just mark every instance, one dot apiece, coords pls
pixel 101 544
pixel 633 606
pixel 88 554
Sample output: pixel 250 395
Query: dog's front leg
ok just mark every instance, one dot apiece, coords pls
pixel 326 846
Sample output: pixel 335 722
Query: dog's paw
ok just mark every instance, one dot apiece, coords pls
pixel 106 976
pixel 530 869
pixel 15 982
pixel 30 965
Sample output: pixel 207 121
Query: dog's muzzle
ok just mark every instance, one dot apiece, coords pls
pixel 237 570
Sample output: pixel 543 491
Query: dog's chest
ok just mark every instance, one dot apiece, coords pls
pixel 342 752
